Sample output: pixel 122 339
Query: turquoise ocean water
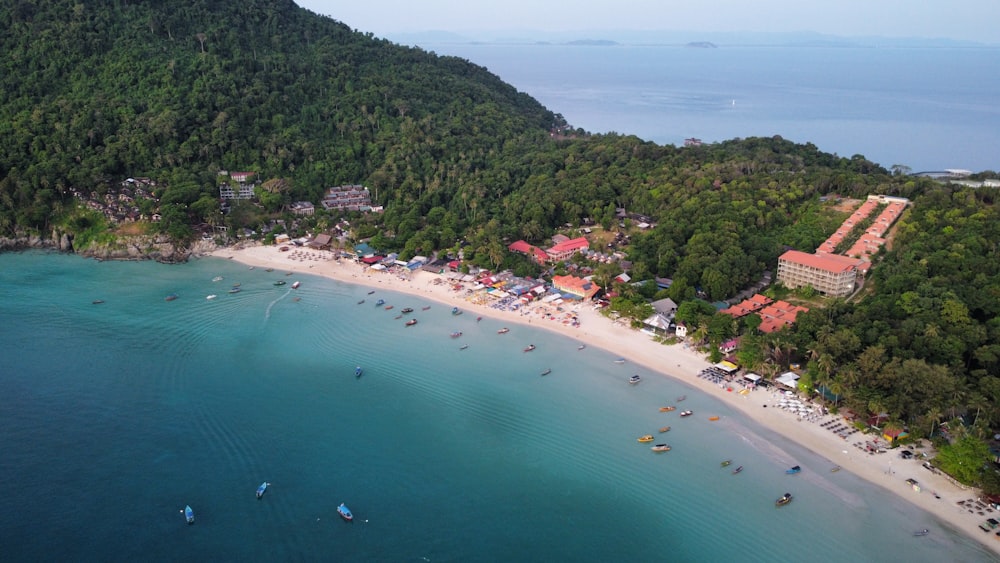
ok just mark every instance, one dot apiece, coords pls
pixel 116 415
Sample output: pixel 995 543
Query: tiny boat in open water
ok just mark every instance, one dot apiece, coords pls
pixel 634 379
pixel 456 311
pixel 503 330
pixel 262 489
pixel 620 361
pixel 793 470
pixel 188 514
pixel 97 302
pixel 380 302
pixel 280 282
pixel 425 308
pixel 456 334
pixel 546 372
pixel 210 297
pixel 399 316
pixel 835 469
pixel 345 512
pixel 463 346
pixel 681 398
pixel 170 297
pixel 388 307
pixel 737 470
pixel 665 429
pixel 785 499
pixel 358 371
pixel 296 284
pixel 360 302
pixel 686 413
pixel 646 438
pixel 407 310
pixel 660 448
pixel 217 278
pixel 667 409
pixel 726 463
pixel 529 348
pixel 371 292
pixel 235 290
pixel 923 532
pixel 411 322
pixel 713 418
pixel 581 347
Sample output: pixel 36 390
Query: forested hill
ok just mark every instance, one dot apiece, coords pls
pixel 169 89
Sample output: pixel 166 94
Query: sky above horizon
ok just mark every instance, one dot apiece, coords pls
pixel 973 20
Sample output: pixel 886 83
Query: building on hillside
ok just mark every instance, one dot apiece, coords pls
pixel 321 242
pixel 829 274
pixel 303 208
pixel 536 254
pixel 241 177
pixel 577 287
pixel 563 249
pixel 242 191
pixel 347 198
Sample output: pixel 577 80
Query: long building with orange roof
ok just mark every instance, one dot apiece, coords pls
pixel 580 287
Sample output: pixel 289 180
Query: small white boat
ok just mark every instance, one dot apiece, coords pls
pixel 660 448
pixel 210 297
pixel 581 347
pixel 634 379
pixel 296 285
pixel 620 361
pixel 217 278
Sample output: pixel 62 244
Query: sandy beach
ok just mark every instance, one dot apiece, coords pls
pixel 938 494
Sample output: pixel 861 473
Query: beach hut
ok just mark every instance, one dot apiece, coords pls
pixel 789 379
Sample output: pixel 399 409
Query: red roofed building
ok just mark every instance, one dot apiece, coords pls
pixel 564 249
pixel 829 274
pixel 779 314
pixel 585 289
pixel 533 252
pixel 747 306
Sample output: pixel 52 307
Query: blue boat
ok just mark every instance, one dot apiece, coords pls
pixel 189 515
pixel 793 470
pixel 345 512
pixel 456 311
pixel 262 489
pixel 380 302
pixel 358 371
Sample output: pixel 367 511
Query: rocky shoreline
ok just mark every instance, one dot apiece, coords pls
pixel 158 248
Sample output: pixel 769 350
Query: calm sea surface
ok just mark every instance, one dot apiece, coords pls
pixel 116 415
pixel 929 109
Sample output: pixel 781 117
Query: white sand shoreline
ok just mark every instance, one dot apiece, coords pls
pixel 939 496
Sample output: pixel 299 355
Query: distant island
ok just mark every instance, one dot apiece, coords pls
pixel 702 44
pixel 597 42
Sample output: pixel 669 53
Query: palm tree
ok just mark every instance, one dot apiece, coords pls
pixel 934 415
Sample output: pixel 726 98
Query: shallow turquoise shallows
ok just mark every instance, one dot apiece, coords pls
pixel 117 415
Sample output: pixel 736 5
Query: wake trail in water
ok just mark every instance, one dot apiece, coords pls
pixel 267 312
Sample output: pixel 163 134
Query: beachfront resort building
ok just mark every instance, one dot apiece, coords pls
pixel 829 274
pixel 581 288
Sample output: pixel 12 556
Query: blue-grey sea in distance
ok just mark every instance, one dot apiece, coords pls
pixel 925 108
pixel 115 415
